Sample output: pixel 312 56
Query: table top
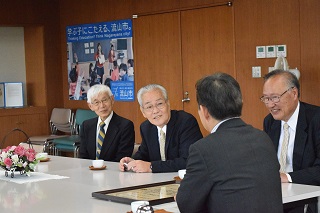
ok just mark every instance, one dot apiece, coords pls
pixel 74 194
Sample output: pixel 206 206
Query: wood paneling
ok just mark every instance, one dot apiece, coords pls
pixel 157 49
pixel 258 23
pixel 43 56
pixel 154 6
pixel 207 47
pixel 310 54
pixel 201 3
pixel 35 70
pixel 31 120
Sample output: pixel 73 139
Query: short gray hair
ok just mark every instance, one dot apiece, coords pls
pixel 95 90
pixel 290 78
pixel 151 87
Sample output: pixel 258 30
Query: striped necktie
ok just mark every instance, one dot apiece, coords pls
pixel 284 148
pixel 162 145
pixel 100 139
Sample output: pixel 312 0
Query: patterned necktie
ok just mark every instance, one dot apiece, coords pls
pixel 162 145
pixel 100 139
pixel 284 148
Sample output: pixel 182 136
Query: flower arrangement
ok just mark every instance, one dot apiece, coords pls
pixel 18 158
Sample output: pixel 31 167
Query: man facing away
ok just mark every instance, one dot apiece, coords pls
pixel 235 168
pixel 166 134
pixel 294 128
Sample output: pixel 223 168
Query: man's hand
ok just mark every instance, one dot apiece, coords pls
pixel 139 166
pixel 123 161
pixel 284 178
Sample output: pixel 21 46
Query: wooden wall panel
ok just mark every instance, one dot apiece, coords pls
pixel 73 12
pixel 267 25
pixel 310 54
pixel 257 22
pixel 42 41
pixel 7 123
pixel 154 6
pixel 35 70
pixel 31 120
pixel 201 3
pixel 207 48
pixel 50 17
pixel 158 56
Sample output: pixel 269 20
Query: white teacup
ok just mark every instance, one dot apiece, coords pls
pixel 42 155
pixel 135 205
pixel 97 163
pixel 181 173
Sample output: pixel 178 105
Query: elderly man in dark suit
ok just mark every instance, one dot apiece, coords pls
pixel 166 135
pixel 300 158
pixel 109 137
pixel 235 168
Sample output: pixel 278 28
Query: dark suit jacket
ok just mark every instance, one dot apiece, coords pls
pixel 118 142
pixel 306 151
pixel 235 170
pixel 182 131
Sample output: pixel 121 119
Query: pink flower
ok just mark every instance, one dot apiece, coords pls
pixel 30 155
pixel 19 150
pixel 13 157
pixel 31 151
pixel 6 149
pixel 7 162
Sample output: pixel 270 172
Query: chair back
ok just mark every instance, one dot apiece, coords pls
pixel 82 115
pixel 61 119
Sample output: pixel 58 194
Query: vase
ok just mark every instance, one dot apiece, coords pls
pixel 12 170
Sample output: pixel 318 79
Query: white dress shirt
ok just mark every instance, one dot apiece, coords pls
pixel 292 122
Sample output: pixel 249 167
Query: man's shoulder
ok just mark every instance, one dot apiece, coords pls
pixel 309 108
pixel 269 120
pixel 119 119
pixel 310 113
pixel 91 121
pixel 181 115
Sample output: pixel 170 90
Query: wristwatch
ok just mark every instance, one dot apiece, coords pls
pixel 151 167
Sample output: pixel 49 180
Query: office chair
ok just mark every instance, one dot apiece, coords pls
pixel 72 143
pixel 61 122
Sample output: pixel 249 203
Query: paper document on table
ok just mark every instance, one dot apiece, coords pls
pixel 34 177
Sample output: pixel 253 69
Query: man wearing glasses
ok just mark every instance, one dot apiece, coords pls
pixel 109 136
pixel 166 135
pixel 294 128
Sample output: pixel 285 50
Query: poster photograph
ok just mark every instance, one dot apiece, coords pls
pixel 101 53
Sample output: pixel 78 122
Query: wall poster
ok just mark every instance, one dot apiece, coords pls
pixel 101 53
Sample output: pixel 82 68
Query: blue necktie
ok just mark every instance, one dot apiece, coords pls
pixel 100 139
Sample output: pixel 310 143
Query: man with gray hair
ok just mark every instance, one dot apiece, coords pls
pixel 166 135
pixel 109 136
pixel 294 127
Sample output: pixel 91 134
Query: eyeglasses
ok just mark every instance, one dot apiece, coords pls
pixel 274 99
pixel 103 101
pixel 150 107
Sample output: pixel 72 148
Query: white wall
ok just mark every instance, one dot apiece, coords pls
pixel 12 56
